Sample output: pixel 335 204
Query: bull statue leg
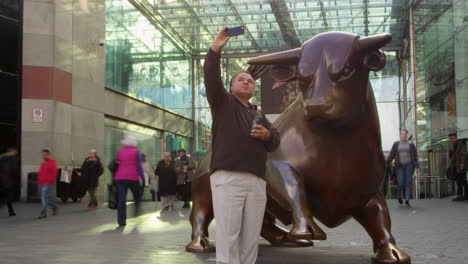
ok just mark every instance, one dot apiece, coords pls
pixel 277 235
pixel 201 216
pixel 288 182
pixel 375 218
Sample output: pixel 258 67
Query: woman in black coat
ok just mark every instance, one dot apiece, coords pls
pixel 167 180
pixel 90 171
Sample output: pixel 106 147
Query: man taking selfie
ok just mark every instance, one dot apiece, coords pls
pixel 242 136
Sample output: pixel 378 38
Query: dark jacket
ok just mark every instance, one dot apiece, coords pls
pixel 459 156
pixel 167 178
pixel 233 148
pixel 179 167
pixel 90 171
pixel 395 154
pixel 9 177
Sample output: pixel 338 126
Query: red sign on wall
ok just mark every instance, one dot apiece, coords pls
pixel 38 115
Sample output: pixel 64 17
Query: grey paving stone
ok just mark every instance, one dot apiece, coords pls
pixel 432 232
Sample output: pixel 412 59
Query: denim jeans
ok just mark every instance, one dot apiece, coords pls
pixel 44 190
pixel 122 188
pixel 405 181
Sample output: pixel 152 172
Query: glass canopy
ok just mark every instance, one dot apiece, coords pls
pixel 270 25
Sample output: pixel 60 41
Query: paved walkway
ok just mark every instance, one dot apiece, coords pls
pixel 433 232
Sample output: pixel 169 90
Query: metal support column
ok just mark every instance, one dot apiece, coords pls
pixel 194 125
pixel 404 88
pixel 413 89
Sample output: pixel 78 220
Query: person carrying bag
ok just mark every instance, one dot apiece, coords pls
pixel 111 189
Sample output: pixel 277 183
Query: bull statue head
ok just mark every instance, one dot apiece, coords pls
pixel 332 70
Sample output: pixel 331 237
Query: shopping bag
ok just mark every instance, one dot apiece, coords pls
pixel 112 199
pixel 65 176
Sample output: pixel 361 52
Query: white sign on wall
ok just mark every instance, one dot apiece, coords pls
pixel 38 115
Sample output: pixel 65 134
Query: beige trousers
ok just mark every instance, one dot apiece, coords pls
pixel 168 200
pixel 239 200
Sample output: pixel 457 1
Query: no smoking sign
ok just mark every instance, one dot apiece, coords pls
pixel 38 115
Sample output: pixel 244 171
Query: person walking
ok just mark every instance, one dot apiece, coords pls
pixel 239 153
pixel 129 175
pixel 144 165
pixel 154 184
pixel 45 180
pixel 167 181
pixel 458 162
pixel 91 170
pixel 184 169
pixel 9 178
pixel 406 161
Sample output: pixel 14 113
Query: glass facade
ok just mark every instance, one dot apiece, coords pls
pixel 269 25
pixel 441 79
pixel 155 51
pixel 143 62
pixel 155 48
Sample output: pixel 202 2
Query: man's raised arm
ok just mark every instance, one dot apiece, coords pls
pixel 215 91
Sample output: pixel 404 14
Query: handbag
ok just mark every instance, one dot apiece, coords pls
pixel 112 199
pixel 113 166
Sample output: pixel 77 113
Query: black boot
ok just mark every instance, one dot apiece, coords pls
pixel 407 204
pixel 186 205
pixel 400 201
pixel 11 213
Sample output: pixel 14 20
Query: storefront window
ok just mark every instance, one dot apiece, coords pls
pixel 174 142
pixel 441 73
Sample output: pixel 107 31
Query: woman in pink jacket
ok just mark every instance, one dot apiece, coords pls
pixel 129 175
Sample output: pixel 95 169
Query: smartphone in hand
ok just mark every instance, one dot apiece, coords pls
pixel 235 31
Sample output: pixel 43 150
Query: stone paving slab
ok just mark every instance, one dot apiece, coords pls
pixel 432 232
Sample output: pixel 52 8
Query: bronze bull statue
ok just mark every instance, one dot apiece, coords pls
pixel 330 164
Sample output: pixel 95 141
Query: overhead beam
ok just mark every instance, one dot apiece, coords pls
pixel 295 21
pixel 297 9
pixel 283 18
pixel 323 15
pixel 157 20
pixel 433 18
pixel 366 17
pixel 195 16
pixel 381 24
pixel 119 23
pixel 241 21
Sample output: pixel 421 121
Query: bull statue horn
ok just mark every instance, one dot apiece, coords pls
pixel 289 57
pixel 374 42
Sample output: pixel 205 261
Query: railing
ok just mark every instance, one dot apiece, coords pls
pixel 434 186
pixel 429 187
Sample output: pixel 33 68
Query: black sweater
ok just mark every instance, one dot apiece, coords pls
pixel 232 147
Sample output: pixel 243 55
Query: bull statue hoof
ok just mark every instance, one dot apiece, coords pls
pixel 280 240
pixel 279 237
pixel 200 245
pixel 390 254
pixel 306 229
